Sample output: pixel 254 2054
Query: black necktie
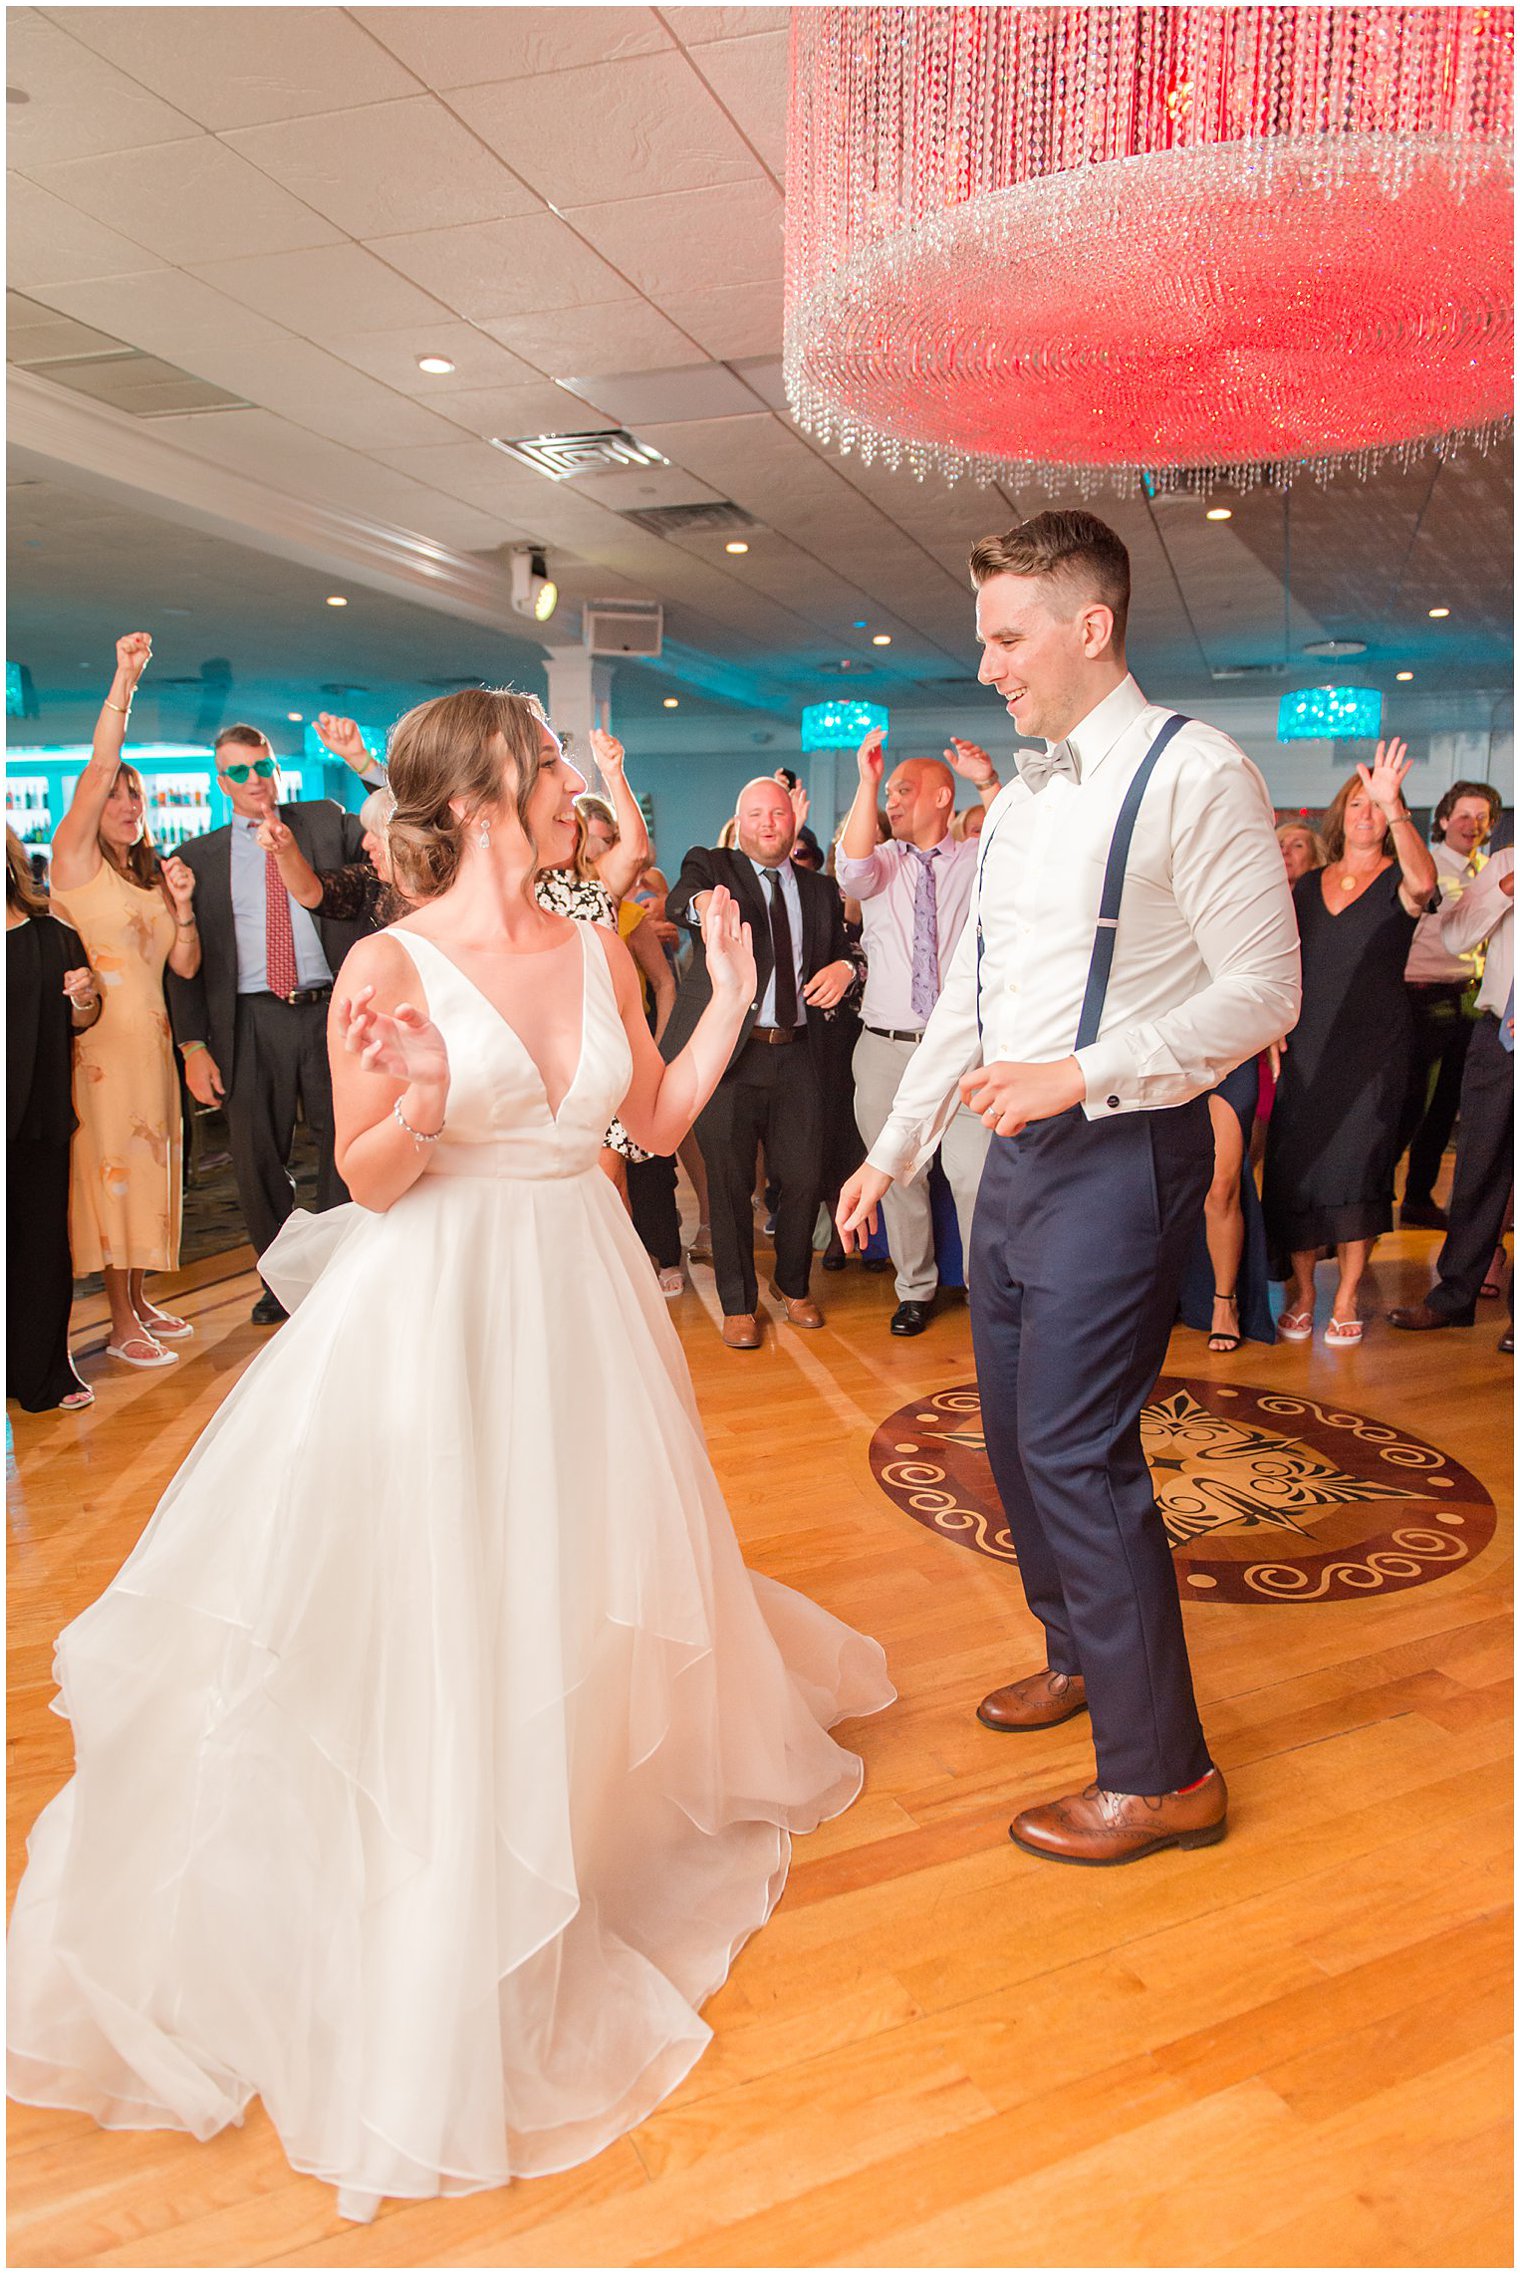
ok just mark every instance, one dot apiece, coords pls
pixel 781 948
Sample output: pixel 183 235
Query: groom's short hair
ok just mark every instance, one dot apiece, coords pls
pixel 1075 550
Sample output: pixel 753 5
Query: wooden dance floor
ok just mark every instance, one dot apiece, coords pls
pixel 1289 2050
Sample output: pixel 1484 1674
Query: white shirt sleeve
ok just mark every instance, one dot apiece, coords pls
pixel 1231 891
pixel 928 1095
pixel 1467 920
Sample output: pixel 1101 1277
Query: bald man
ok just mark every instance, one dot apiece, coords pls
pixel 770 1093
pixel 913 892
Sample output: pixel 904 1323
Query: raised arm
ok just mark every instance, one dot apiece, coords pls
pixel 297 875
pixel 973 765
pixel 860 873
pixel 619 866
pixel 76 843
pixel 1383 781
pixel 664 1100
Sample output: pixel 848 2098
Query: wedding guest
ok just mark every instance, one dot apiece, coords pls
pixel 1086 1050
pixel 1482 916
pixel 51 996
pixel 968 822
pixel 913 893
pixel 770 1093
pixel 1303 848
pixel 1333 1136
pixel 135 917
pixel 251 1021
pixel 1443 990
pixel 1226 1287
pixel 361 891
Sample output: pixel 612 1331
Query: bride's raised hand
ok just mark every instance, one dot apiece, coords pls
pixel 726 941
pixel 402 1044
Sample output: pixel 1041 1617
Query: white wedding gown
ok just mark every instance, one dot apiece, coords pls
pixel 435 1752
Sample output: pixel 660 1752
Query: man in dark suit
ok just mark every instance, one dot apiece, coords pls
pixel 252 1023
pixel 770 1093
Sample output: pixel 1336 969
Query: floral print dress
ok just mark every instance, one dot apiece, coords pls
pixel 124 1198
pixel 585 900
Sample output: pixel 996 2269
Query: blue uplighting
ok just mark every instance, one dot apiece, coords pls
pixel 839 726
pixel 15 698
pixel 1331 714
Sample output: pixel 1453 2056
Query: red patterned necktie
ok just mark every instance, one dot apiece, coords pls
pixel 279 939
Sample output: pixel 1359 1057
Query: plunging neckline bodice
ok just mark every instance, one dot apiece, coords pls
pixel 579 934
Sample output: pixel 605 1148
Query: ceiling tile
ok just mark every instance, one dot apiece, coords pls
pixel 633 488
pixel 391 356
pixel 503 268
pixel 190 201
pixel 50 242
pixel 749 77
pixel 515 411
pixel 698 391
pixel 229 67
pixel 694 26
pixel 167 312
pixel 618 335
pixel 641 126
pixel 316 391
pixel 462 47
pixel 733 321
pixel 690 241
pixel 387 168
pixel 323 290
pixel 78 106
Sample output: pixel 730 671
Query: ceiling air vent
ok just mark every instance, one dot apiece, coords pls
pixel 687 520
pixel 563 456
pixel 1249 671
pixel 623 627
pixel 92 363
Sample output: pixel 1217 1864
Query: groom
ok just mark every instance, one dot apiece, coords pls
pixel 1130 940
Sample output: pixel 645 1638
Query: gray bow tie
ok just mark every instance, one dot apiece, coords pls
pixel 1037 766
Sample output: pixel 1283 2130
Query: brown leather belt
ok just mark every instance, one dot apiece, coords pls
pixel 775 1034
pixel 897 1033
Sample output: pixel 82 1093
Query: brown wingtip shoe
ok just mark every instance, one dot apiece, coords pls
pixel 1040 1701
pixel 1098 1827
pixel 801 1310
pixel 742 1333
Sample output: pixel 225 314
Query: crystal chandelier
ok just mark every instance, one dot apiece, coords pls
pixel 1091 245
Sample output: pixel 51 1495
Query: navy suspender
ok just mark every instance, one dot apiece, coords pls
pixel 1102 964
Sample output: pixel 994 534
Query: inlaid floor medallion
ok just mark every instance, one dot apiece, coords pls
pixel 1268 1496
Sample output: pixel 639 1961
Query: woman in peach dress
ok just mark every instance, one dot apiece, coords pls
pixel 134 916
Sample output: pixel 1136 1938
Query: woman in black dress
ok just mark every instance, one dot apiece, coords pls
pixel 50 995
pixel 1332 1141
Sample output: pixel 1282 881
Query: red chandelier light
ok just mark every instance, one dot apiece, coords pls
pixel 1092 244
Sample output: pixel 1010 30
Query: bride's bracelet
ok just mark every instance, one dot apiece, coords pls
pixel 418 1136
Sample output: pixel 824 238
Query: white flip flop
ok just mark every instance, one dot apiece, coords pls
pixel 141 1342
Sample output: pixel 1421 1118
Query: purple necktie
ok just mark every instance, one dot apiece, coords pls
pixel 925 933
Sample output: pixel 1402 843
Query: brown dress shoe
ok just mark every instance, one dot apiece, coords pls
pixel 1419 1318
pixel 801 1310
pixel 1101 1827
pixel 742 1333
pixel 1040 1701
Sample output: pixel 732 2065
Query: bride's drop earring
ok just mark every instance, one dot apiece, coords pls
pixel 483 836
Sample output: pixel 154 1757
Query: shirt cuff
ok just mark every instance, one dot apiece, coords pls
pixel 1110 1078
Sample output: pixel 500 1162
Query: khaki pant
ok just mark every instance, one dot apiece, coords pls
pixel 878 1066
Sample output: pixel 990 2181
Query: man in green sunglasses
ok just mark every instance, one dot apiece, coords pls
pixel 252 1023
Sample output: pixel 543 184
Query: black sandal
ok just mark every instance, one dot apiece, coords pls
pixel 1221 1341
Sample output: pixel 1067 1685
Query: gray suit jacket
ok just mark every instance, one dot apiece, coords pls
pixel 204 1009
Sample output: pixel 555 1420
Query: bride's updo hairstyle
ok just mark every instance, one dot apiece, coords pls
pixel 449 749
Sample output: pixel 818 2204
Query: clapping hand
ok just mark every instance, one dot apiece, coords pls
pixel 343 739
pixel 726 941
pixel 134 651
pixel 402 1044
pixel 608 753
pixel 179 883
pixel 1383 780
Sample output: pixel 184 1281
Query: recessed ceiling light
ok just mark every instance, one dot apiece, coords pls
pixel 1218 513
pixel 1335 647
pixel 336 600
pixel 881 639
pixel 1403 675
pixel 294 717
pixel 672 702
pixel 736 545
pixel 437 363
pixel 1440 611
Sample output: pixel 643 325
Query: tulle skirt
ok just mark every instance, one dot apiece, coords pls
pixel 435 1750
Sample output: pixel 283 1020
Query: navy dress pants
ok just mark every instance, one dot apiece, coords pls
pixel 1081 1235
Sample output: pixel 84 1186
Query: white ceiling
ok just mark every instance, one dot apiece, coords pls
pixel 582 209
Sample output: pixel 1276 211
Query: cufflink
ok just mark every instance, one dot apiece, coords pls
pixel 1113 1101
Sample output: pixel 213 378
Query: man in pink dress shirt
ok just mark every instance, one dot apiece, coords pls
pixel 913 892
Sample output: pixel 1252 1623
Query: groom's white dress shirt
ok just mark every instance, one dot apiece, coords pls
pixel 1206 969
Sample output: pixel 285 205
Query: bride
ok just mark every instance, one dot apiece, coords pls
pixel 435 1752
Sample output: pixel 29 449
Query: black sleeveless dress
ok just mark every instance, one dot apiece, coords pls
pixel 1332 1141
